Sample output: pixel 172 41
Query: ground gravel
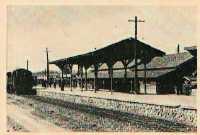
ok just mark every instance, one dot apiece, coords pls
pixel 13 126
pixel 78 117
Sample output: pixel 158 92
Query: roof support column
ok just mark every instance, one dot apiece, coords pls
pixel 145 75
pixel 95 77
pixel 86 68
pixel 110 72
pixel 70 68
pixel 125 72
pixel 62 79
pixel 131 84
pixel 125 63
pixel 61 83
pixel 136 77
pixel 111 78
pixel 136 81
pixel 86 79
pixel 81 73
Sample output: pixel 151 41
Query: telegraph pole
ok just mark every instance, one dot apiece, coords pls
pixel 27 64
pixel 178 48
pixel 47 55
pixel 135 52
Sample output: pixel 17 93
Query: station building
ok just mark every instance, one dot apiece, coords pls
pixel 114 68
pixel 164 75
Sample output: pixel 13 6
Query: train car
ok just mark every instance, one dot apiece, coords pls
pixel 9 83
pixel 21 82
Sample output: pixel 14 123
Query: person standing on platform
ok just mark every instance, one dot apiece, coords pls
pixel 54 84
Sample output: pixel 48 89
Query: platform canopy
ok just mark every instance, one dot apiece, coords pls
pixel 118 51
pixel 192 50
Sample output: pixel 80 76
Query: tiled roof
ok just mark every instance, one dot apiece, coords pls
pixel 159 66
pixel 130 74
pixel 167 61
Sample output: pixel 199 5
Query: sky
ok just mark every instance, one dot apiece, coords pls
pixel 71 30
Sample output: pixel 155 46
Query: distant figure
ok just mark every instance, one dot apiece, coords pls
pixel 42 83
pixel 54 84
pixel 59 83
pixel 187 87
pixel 179 87
pixel 49 83
pixel 62 85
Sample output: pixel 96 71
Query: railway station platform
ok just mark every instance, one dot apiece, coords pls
pixel 168 100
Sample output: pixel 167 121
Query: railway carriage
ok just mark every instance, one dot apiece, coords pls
pixel 20 82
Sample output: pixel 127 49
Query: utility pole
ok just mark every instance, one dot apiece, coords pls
pixel 27 64
pixel 135 52
pixel 47 55
pixel 178 48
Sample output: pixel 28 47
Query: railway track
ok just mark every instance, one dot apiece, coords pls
pixel 142 123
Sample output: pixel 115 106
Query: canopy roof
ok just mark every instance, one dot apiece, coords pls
pixel 121 50
pixel 192 50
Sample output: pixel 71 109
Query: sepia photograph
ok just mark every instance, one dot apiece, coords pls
pixel 101 68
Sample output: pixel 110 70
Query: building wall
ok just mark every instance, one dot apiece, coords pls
pixel 150 86
pixel 119 84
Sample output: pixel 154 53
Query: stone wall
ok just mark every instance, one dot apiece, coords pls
pixel 177 114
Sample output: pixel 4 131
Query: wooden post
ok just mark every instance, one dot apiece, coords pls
pixel 131 85
pixel 125 63
pixel 103 84
pixel 111 80
pixel 135 49
pixel 86 78
pixel 27 64
pixel 110 70
pixel 95 77
pixel 81 78
pixel 62 78
pixel 70 66
pixel 47 55
pixel 136 88
pixel 145 82
pixel 125 72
